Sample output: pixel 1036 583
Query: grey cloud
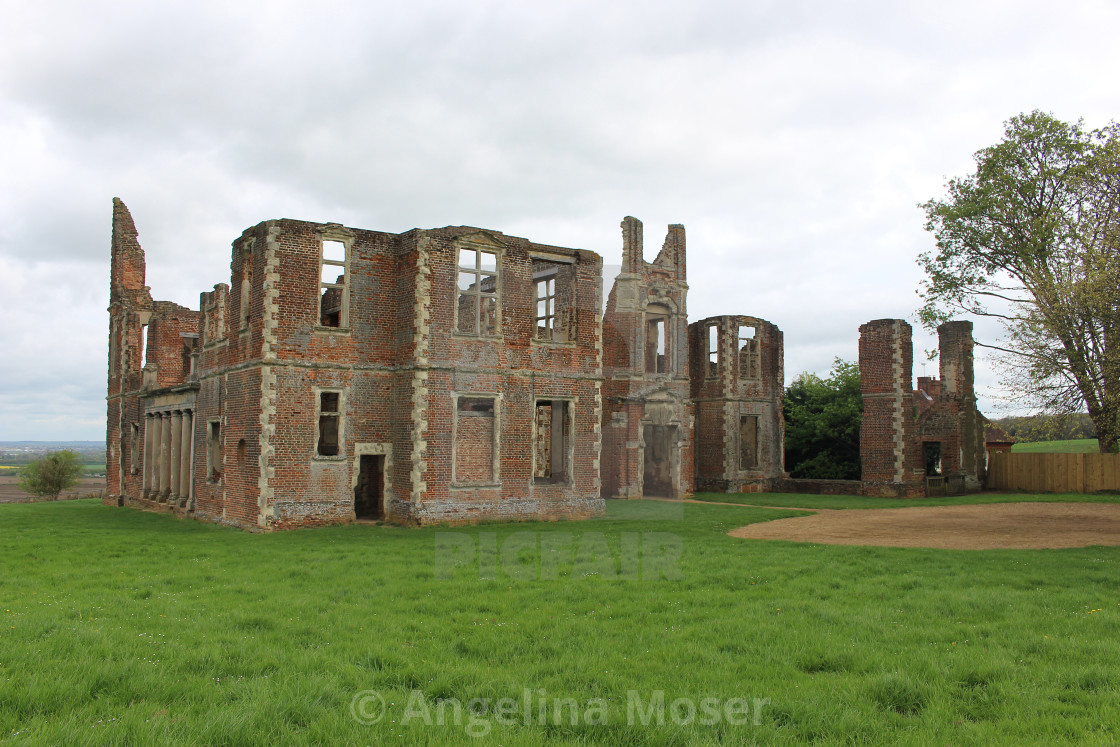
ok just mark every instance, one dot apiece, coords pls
pixel 793 139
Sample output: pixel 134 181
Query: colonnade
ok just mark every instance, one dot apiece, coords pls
pixel 169 456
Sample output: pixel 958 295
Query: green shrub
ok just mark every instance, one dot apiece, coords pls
pixel 51 473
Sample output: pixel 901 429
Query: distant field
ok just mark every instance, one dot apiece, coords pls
pixel 88 470
pixel 1076 446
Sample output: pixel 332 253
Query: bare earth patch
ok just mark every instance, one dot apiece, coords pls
pixel 992 526
pixel 87 486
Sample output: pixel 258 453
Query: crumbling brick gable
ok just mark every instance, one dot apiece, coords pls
pixel 646 372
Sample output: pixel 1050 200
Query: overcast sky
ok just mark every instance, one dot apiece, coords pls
pixel 793 139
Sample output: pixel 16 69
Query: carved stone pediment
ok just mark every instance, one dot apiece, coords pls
pixel 481 240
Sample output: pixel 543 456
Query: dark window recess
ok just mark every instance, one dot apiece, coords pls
pixel 931 452
pixel 134 449
pixel 552 444
pixel 328 424
pixel 476 406
pixel 214 449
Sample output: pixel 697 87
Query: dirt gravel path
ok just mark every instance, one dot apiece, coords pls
pixel 991 526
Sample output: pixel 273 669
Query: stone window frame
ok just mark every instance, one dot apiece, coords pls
pixel 711 368
pixel 341 417
pixel 336 233
pixel 563 327
pixel 755 354
pixel 569 454
pixel 495 472
pixel 757 440
pixel 245 296
pixel 499 255
pixel 134 456
pixel 653 312
pixel 214 451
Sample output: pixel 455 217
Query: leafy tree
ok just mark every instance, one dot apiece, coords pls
pixel 50 474
pixel 1032 239
pixel 822 424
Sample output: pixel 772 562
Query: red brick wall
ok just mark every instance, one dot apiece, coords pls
pixel 474 448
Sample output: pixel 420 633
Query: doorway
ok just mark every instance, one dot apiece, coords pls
pixel 658 471
pixel 369 493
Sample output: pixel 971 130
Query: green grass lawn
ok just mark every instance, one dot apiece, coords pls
pixel 1075 446
pixel 120 626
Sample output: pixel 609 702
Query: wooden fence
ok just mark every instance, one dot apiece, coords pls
pixel 1054 473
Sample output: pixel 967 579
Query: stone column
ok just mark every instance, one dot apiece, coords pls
pixel 157 455
pixel 165 457
pixel 186 458
pixel 149 455
pixel 176 454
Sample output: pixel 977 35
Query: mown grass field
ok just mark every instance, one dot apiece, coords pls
pixel 1074 446
pixel 120 626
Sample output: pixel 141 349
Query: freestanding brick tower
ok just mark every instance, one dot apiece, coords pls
pixel 737 379
pixel 647 415
pixel 950 430
pixel 907 434
pixel 886 361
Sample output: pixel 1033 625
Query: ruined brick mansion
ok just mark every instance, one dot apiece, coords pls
pixel 459 374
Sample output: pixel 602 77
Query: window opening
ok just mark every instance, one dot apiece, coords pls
pixel 551 458
pixel 328 424
pixel 713 350
pixel 478 292
pixel 332 284
pixel 134 449
pixel 214 449
pixel 246 284
pixel 748 352
pixel 656 346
